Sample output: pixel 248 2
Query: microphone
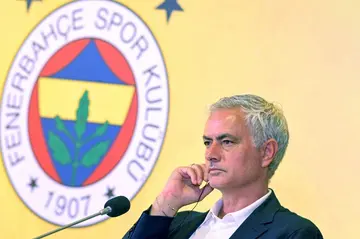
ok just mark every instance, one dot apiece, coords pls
pixel 116 206
pixel 113 208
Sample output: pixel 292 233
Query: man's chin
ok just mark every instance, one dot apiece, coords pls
pixel 217 183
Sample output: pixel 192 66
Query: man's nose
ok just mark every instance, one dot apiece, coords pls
pixel 213 152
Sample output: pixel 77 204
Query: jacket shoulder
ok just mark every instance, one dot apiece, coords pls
pixel 292 224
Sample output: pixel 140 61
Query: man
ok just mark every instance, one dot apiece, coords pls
pixel 245 138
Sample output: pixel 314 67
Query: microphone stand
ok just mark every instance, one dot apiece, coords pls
pixel 101 212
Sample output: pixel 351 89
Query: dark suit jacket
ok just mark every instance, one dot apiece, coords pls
pixel 269 221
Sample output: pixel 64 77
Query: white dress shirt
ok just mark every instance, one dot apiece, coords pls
pixel 214 227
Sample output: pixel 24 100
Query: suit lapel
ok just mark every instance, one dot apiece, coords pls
pixel 258 222
pixel 189 226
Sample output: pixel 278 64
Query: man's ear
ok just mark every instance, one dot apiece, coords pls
pixel 269 149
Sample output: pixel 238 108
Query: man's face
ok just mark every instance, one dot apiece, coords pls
pixel 230 149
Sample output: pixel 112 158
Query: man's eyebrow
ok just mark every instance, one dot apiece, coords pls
pixel 223 136
pixel 206 137
pixel 220 137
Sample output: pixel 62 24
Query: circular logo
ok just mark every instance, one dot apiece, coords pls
pixel 84 110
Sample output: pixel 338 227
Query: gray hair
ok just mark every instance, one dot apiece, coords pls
pixel 265 120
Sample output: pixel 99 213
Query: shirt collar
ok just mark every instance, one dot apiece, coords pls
pixel 238 216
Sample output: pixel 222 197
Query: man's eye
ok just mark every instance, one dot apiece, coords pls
pixel 206 143
pixel 227 142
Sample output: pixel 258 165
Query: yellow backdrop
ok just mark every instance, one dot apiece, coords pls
pixel 303 54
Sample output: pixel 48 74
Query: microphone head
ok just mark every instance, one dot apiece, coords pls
pixel 119 205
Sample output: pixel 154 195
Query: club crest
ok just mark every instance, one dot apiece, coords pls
pixel 84 110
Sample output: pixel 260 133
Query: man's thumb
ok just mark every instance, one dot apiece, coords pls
pixel 207 189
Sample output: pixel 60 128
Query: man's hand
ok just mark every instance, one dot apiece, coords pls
pixel 182 188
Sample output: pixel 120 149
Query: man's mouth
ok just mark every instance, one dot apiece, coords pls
pixel 216 170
